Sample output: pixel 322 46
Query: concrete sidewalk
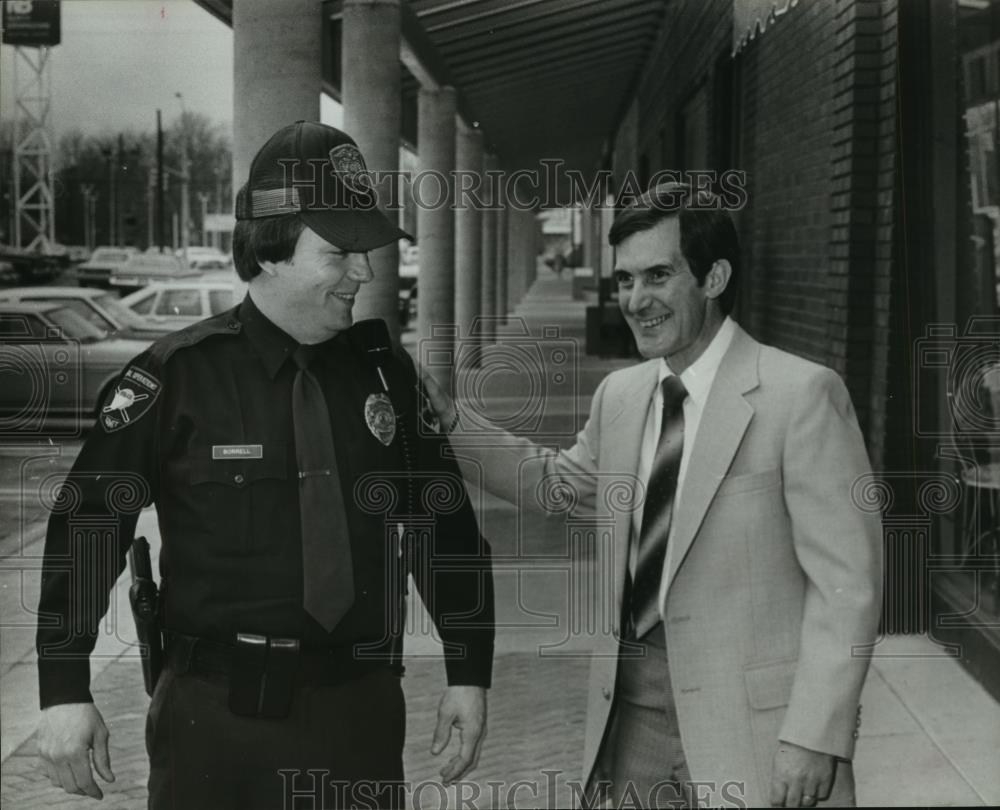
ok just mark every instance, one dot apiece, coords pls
pixel 930 733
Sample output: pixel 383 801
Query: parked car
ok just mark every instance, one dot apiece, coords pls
pixel 55 365
pixel 101 308
pixel 204 263
pixel 8 275
pixel 97 270
pixel 29 266
pixel 78 253
pixel 166 307
pixel 145 268
pixel 202 253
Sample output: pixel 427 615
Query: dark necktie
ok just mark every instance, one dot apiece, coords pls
pixel 658 509
pixel 327 572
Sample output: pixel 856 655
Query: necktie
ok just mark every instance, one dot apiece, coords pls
pixel 327 572
pixel 658 509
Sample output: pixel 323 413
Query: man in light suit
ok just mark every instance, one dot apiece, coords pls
pixel 738 670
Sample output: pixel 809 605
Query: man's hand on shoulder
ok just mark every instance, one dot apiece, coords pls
pixel 801 776
pixel 443 405
pixel 463 707
pixel 67 733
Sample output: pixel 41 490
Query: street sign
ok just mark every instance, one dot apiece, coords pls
pixel 31 23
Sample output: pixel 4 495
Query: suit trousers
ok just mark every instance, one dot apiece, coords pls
pixel 340 746
pixel 641 757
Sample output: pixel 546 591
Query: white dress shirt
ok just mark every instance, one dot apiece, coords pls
pixel 697 379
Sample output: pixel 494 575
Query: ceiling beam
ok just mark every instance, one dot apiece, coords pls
pixel 584 30
pixel 615 46
pixel 541 78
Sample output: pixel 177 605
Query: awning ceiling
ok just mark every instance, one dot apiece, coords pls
pixel 544 78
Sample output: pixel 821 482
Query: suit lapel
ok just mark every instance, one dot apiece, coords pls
pixel 723 423
pixel 624 431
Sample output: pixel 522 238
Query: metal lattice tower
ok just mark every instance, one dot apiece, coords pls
pixel 34 212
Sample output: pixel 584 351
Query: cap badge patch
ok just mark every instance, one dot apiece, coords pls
pixel 350 167
pixel 130 400
pixel 380 418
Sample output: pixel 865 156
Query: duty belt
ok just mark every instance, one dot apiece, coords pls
pixel 264 672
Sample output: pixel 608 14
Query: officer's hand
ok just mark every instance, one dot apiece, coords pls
pixel 465 708
pixel 443 405
pixel 801 777
pixel 67 733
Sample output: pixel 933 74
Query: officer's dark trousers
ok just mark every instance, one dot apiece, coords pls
pixel 340 746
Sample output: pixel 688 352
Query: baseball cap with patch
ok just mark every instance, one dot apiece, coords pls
pixel 317 172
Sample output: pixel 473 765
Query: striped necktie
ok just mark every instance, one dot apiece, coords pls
pixel 658 509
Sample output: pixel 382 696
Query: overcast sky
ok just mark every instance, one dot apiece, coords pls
pixel 119 60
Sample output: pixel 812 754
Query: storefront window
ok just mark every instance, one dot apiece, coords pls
pixel 974 387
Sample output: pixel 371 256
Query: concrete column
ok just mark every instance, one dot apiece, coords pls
pixel 503 265
pixel 514 238
pixel 520 251
pixel 607 254
pixel 435 198
pixel 489 287
pixel 370 92
pixel 468 235
pixel 277 73
pixel 586 235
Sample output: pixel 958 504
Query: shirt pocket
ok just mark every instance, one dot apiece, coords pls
pixel 238 495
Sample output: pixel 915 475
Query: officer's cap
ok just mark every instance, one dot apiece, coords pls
pixel 317 172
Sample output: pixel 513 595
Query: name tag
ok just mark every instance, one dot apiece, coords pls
pixel 221 452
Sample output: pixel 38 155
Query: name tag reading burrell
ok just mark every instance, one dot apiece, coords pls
pixel 221 452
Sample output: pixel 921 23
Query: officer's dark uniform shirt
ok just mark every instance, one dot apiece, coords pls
pixel 201 424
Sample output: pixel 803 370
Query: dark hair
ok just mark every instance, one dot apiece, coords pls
pixel 271 239
pixel 707 230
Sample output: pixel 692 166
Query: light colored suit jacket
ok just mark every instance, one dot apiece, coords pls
pixel 773 574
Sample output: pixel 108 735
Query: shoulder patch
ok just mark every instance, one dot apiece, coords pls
pixel 130 399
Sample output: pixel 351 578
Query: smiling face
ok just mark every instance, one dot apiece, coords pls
pixel 311 294
pixel 668 311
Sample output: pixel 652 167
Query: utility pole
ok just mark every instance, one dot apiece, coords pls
pixel 203 196
pixel 185 200
pixel 151 207
pixel 161 227
pixel 87 192
pixel 185 180
pixel 109 156
pixel 119 159
pixel 93 219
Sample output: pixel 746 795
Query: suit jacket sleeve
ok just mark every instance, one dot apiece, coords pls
pixel 524 473
pixel 839 547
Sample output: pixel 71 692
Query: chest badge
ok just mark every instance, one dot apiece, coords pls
pixel 380 418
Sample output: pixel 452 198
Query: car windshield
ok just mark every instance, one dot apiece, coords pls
pixel 73 326
pixel 122 313
pixel 89 314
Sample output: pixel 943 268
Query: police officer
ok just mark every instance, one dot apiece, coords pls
pixel 295 490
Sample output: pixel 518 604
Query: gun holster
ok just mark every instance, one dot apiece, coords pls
pixel 262 675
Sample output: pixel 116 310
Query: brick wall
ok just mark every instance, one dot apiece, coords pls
pixel 813 126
